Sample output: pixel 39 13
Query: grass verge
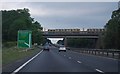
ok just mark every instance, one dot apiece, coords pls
pixel 13 54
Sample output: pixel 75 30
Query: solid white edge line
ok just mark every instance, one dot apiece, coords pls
pixel 18 69
pixel 99 70
pixel 79 61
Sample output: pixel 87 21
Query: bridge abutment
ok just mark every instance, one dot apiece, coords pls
pixel 65 41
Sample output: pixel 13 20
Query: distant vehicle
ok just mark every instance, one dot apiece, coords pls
pixel 46 47
pixel 62 49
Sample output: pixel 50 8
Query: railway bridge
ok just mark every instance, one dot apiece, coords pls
pixel 89 34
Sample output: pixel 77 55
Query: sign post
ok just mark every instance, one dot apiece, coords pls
pixel 24 39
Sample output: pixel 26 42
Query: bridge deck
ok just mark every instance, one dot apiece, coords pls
pixel 71 34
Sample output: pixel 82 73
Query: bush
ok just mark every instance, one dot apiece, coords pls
pixel 9 44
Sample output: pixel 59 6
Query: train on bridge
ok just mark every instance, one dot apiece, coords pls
pixel 74 33
pixel 76 30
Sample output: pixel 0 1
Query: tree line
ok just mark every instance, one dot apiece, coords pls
pixel 79 42
pixel 20 19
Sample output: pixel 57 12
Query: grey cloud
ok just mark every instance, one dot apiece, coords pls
pixel 69 14
pixel 59 9
pixel 78 22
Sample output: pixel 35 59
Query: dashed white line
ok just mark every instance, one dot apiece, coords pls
pixel 64 55
pixel 18 69
pixel 69 57
pixel 99 70
pixel 79 61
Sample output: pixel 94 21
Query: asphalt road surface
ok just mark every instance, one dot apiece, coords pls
pixel 69 61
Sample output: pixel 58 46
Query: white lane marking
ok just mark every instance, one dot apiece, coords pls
pixel 64 55
pixel 18 69
pixel 79 61
pixel 69 57
pixel 99 70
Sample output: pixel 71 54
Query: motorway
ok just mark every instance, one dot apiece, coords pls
pixel 54 61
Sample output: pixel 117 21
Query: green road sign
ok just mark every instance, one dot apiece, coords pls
pixel 24 39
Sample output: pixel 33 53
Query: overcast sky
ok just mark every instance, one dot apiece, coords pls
pixel 67 14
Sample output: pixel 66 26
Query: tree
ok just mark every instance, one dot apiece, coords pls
pixel 37 37
pixel 81 43
pixel 14 20
pixel 14 27
pixel 112 33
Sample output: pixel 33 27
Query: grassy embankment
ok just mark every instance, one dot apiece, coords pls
pixel 12 54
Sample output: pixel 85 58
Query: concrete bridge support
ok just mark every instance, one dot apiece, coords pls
pixel 65 41
pixel 99 42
